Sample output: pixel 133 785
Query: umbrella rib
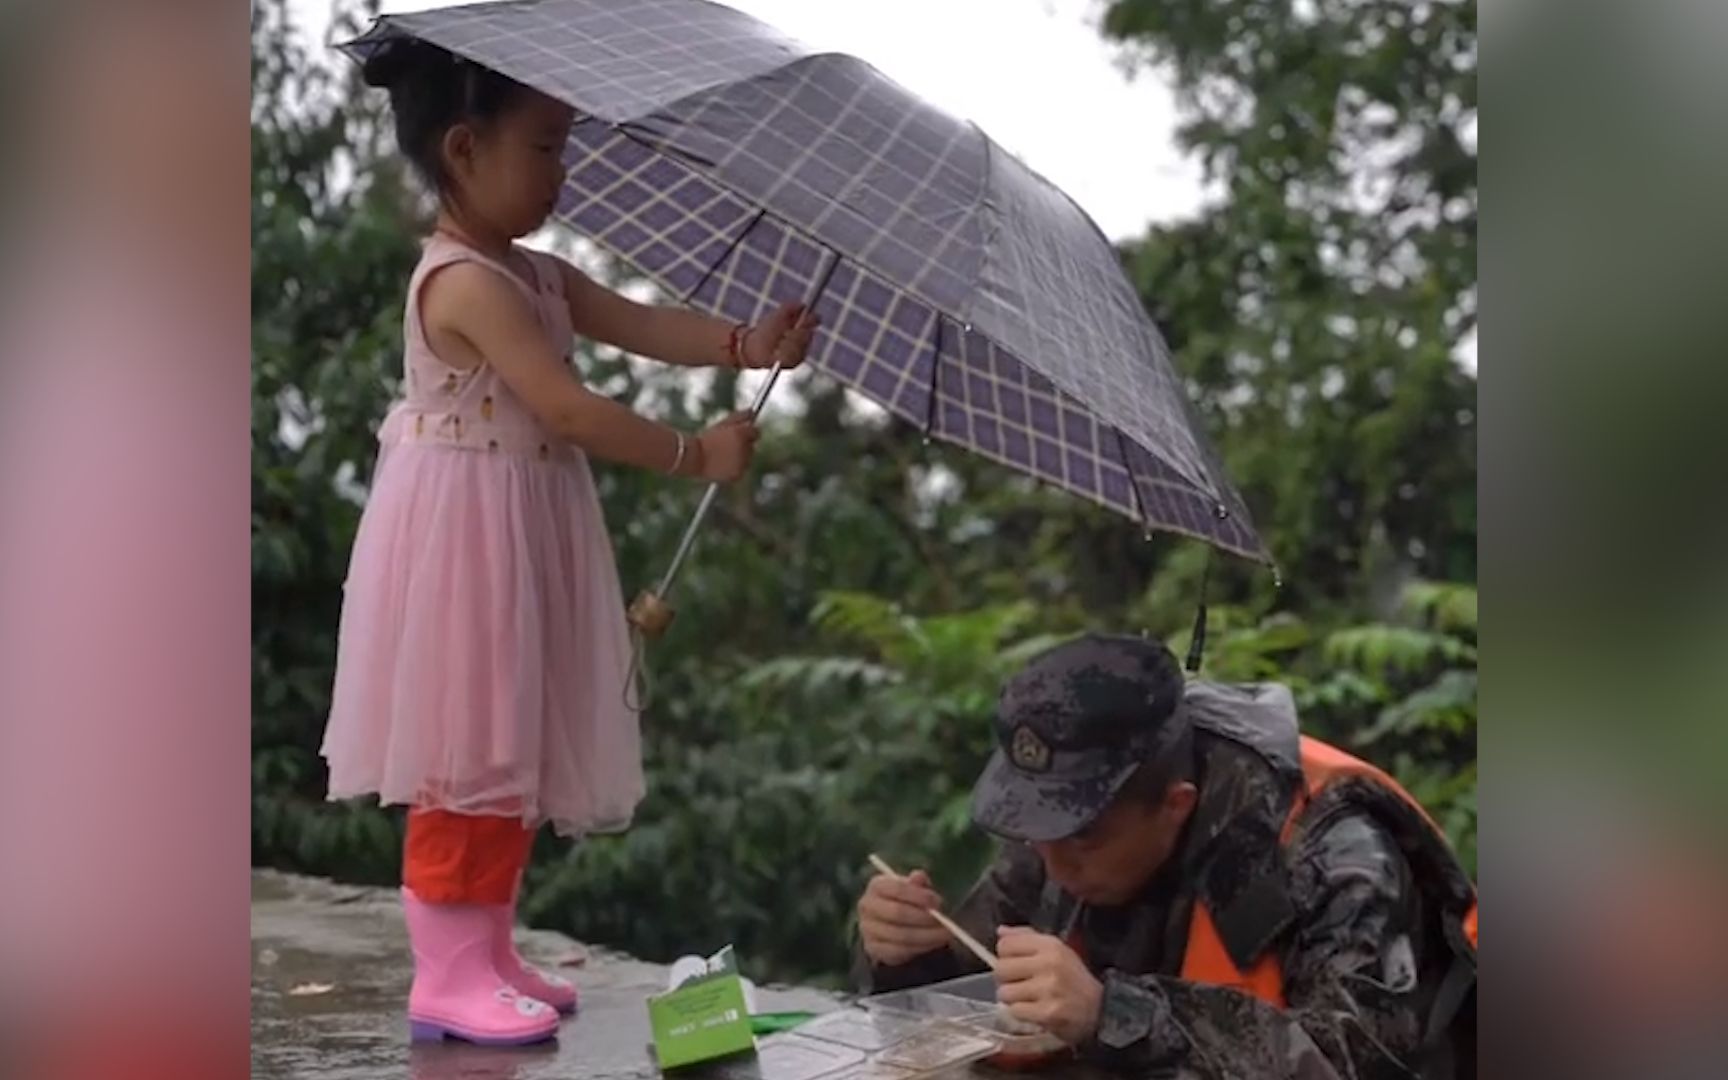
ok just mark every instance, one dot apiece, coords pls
pixel 833 265
pixel 994 222
pixel 727 254
pixel 1133 482
pixel 935 367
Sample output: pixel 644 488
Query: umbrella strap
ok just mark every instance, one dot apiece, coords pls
pixel 1197 642
pixel 638 685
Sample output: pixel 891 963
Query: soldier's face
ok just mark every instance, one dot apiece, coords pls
pixel 1110 861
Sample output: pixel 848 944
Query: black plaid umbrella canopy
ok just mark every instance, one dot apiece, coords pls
pixel 737 168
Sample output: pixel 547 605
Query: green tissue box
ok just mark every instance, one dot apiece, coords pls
pixel 703 1018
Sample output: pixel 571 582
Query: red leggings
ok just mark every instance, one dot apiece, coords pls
pixel 452 858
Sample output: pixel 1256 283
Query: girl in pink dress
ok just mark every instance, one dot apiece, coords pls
pixel 483 650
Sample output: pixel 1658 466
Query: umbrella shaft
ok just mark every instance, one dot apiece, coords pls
pixel 762 394
pixel 708 496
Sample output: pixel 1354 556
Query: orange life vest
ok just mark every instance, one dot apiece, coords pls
pixel 1207 961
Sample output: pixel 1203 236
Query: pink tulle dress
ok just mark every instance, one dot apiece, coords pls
pixel 483 651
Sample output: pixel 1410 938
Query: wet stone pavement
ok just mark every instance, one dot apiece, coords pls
pixel 330 974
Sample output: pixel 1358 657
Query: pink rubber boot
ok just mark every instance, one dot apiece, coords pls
pixel 553 990
pixel 457 991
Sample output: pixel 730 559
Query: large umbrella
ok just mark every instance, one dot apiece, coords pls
pixel 737 168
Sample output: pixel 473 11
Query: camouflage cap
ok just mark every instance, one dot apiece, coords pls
pixel 1071 728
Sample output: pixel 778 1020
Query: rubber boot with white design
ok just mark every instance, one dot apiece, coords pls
pixel 539 985
pixel 458 993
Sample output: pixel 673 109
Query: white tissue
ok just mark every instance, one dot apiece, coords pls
pixel 686 968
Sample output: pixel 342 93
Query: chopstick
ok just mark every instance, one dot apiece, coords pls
pixel 947 924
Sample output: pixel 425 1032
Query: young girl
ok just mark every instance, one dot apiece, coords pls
pixel 483 650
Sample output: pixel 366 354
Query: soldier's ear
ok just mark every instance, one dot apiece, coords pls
pixel 1179 800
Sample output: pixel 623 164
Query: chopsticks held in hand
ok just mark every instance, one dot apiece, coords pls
pixel 947 924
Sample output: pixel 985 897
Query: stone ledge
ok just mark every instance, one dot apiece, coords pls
pixel 310 934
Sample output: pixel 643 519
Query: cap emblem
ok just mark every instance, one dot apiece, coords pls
pixel 1028 752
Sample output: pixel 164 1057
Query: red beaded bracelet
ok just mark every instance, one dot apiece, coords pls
pixel 735 345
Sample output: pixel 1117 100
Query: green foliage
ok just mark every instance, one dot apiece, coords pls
pixel 1420 680
pixel 848 615
pixel 1316 305
pixel 329 263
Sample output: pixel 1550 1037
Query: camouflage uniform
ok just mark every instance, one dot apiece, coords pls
pixel 1346 905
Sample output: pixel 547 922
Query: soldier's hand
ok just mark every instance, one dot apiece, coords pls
pixel 1042 981
pixel 894 920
